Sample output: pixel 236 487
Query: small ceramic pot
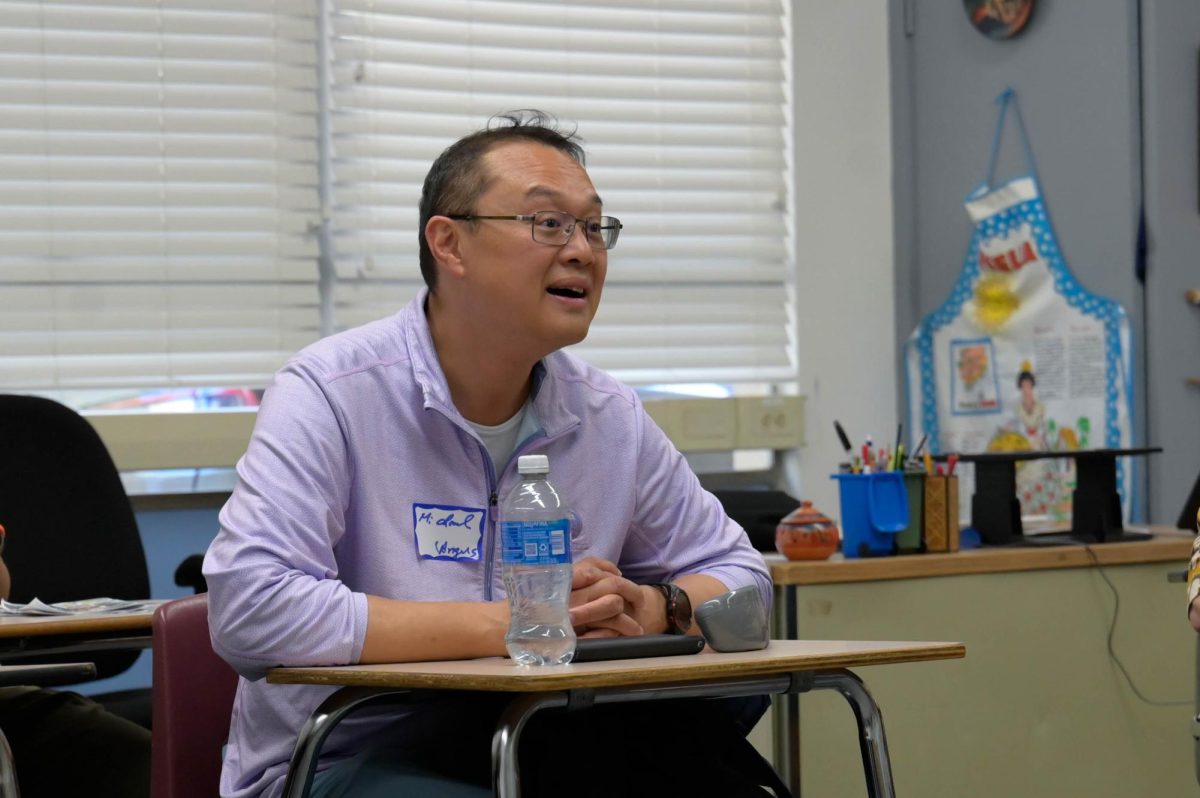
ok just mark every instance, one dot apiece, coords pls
pixel 806 534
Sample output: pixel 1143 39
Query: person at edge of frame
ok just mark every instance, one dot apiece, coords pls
pixel 64 743
pixel 1193 579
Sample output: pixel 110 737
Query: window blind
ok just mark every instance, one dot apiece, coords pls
pixel 159 176
pixel 682 106
pixel 158 189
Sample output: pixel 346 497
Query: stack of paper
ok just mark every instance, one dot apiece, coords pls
pixel 39 607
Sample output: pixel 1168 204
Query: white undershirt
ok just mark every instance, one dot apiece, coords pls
pixel 502 439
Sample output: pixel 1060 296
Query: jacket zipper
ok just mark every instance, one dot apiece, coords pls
pixel 492 485
pixel 493 500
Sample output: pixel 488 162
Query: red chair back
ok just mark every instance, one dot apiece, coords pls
pixel 193 701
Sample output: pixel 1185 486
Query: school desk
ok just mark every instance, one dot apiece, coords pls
pixel 785 666
pixel 25 636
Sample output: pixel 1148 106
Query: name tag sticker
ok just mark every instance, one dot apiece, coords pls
pixel 448 533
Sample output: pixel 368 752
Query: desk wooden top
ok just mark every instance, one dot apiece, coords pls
pixel 1168 545
pixel 101 622
pixel 503 675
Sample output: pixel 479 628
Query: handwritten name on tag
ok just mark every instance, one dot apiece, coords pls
pixel 448 533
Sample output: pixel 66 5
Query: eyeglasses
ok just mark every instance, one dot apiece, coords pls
pixel 555 228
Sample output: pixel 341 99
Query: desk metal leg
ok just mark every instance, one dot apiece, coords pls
pixel 506 780
pixel 320 724
pixel 785 718
pixel 505 740
pixel 876 764
pixel 8 775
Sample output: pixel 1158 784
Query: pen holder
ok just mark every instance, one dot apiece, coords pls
pixel 941 513
pixel 909 540
pixel 874 509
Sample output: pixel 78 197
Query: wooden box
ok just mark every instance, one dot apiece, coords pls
pixel 941 513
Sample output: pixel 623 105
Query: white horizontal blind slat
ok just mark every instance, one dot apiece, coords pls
pixel 682 106
pixel 158 191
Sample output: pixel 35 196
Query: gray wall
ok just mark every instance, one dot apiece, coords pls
pixel 1171 54
pixel 1078 76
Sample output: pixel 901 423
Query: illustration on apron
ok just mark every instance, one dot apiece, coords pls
pixel 1021 357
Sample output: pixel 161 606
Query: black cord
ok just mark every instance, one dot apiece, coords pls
pixel 1112 627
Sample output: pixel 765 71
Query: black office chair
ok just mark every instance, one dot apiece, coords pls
pixel 190 573
pixel 71 532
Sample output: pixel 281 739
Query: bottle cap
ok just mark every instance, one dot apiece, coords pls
pixel 533 464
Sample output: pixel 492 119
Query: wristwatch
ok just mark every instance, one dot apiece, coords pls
pixel 679 607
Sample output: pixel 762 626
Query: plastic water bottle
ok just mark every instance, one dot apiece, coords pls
pixel 535 529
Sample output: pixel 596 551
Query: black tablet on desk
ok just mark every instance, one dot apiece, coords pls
pixel 595 649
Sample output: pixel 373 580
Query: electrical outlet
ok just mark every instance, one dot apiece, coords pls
pixel 770 422
pixel 704 425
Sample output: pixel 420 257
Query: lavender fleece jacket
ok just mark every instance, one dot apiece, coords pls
pixel 356 437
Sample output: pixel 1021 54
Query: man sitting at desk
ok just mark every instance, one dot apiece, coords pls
pixel 316 560
pixel 65 744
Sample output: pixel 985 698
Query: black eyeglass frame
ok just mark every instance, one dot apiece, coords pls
pixel 605 224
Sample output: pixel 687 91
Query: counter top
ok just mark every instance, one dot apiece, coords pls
pixel 1168 545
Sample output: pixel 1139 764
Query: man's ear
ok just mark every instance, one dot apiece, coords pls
pixel 445 242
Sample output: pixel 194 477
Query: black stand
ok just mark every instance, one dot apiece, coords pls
pixel 1188 517
pixel 995 509
pixel 1095 506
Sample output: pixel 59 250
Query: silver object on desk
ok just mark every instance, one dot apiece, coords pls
pixel 735 621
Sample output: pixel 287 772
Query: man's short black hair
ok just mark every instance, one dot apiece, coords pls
pixel 458 176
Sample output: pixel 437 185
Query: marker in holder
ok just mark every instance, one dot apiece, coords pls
pixel 874 510
pixel 910 540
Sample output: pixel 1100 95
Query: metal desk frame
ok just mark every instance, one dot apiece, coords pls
pixel 506 781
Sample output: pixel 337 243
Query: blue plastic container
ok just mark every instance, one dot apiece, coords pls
pixel 874 509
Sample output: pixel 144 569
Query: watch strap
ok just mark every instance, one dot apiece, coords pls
pixel 671 595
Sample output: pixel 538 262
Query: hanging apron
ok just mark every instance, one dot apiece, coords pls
pixel 1021 357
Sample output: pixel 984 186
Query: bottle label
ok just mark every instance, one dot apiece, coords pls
pixel 537 542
